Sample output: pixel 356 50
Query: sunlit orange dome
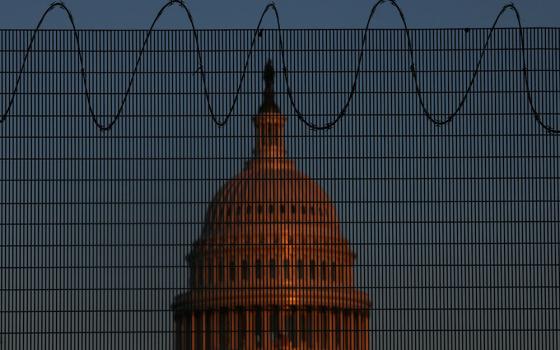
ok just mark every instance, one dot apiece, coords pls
pixel 270 191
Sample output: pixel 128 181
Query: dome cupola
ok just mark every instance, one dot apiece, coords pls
pixel 269 122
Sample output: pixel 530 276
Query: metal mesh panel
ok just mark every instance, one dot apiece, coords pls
pixel 405 234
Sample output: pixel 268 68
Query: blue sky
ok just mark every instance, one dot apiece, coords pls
pixel 294 13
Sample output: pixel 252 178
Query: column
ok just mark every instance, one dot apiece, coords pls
pixel 267 331
pixel 192 317
pixel 203 327
pixel 301 326
pixel 233 328
pixel 311 326
pixel 242 328
pixel 197 330
pixel 350 330
pixel 209 328
pixel 337 330
pixel 251 319
pixel 223 329
pixel 282 323
pixel 216 330
pixel 322 330
pixel 360 330
pixel 331 328
pixel 343 329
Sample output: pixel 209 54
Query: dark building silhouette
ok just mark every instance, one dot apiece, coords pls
pixel 271 269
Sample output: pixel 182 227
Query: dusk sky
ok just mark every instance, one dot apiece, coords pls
pixel 294 14
pixel 422 205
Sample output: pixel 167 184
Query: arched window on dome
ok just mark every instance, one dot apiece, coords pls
pixel 286 269
pixel 245 270
pixel 232 271
pixel 300 269
pixel 324 271
pixel 221 272
pixel 248 210
pixel 258 269
pixel 312 270
pixel 272 268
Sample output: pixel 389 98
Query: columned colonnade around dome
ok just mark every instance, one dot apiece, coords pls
pixel 253 328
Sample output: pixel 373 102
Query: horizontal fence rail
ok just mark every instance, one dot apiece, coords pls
pixel 150 196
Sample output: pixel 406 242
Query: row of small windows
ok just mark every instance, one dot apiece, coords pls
pixel 249 240
pixel 271 210
pixel 315 271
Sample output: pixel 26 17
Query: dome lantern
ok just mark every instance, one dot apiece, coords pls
pixel 269 122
